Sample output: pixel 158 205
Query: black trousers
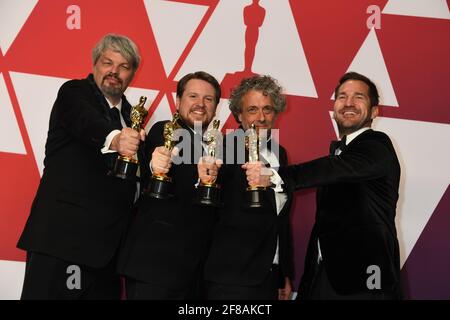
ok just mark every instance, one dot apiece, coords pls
pixel 50 278
pixel 321 289
pixel 267 290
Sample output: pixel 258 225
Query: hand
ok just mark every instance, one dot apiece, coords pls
pixel 126 143
pixel 161 160
pixel 285 293
pixel 208 169
pixel 142 135
pixel 257 174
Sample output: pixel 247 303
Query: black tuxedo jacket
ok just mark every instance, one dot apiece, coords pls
pixel 167 241
pixel 244 240
pixel 79 213
pixel 356 205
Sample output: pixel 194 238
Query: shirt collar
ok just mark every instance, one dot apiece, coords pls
pixel 118 106
pixel 353 135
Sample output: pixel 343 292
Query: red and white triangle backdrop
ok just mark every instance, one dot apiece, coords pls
pixel 307 45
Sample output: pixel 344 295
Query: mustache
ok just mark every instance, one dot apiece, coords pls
pixel 352 109
pixel 198 108
pixel 260 123
pixel 112 75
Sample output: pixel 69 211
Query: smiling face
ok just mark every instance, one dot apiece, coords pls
pixel 352 107
pixel 257 108
pixel 198 103
pixel 112 74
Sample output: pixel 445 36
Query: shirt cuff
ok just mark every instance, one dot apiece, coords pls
pixel 108 141
pixel 276 181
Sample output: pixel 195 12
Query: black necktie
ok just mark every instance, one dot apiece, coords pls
pixel 115 118
pixel 338 144
pixel 110 158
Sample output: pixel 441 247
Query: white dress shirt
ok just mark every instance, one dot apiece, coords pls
pixel 113 133
pixel 269 157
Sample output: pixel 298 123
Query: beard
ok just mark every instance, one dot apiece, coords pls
pixel 199 120
pixel 112 90
pixel 348 129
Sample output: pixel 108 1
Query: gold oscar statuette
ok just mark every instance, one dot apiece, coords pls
pixel 160 185
pixel 208 194
pixel 254 195
pixel 127 167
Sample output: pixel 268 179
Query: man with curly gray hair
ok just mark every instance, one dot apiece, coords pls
pixel 267 87
pixel 251 253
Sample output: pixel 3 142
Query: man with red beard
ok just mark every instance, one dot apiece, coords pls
pixel 353 251
pixel 165 248
pixel 81 211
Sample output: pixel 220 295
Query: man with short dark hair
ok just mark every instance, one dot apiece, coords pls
pixel 353 251
pixel 164 251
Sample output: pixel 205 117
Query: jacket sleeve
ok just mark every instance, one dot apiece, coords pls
pixel 287 261
pixel 365 160
pixel 77 112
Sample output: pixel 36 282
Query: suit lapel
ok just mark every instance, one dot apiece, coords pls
pixel 99 97
pixel 126 111
pixel 273 203
pixel 281 161
pixel 356 139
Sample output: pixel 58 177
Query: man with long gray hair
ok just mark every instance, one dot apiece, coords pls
pixel 81 211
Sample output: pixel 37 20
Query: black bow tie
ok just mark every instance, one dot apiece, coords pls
pixel 338 144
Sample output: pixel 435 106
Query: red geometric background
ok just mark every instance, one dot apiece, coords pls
pixel 415 51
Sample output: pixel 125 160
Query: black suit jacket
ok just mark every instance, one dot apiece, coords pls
pixel 244 240
pixel 356 205
pixel 167 241
pixel 79 213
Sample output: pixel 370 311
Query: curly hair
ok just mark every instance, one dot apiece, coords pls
pixel 268 85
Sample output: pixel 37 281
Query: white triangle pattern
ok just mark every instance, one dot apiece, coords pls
pixel 36 95
pixel 13 15
pixel 214 42
pixel 162 112
pixel 421 185
pixel 223 39
pixel 288 61
pixel 173 40
pixel 418 8
pixel 10 136
pixel 12 274
pixel 369 61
